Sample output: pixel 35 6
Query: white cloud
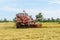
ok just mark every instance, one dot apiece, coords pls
pixel 2 1
pixel 47 13
pixel 54 1
pixel 52 13
pixel 7 8
pixel 32 12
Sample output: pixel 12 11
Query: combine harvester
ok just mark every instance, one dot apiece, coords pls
pixel 23 20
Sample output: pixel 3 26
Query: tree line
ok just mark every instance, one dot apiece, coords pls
pixel 39 18
pixel 4 20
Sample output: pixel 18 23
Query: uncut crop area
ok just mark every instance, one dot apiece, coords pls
pixel 8 31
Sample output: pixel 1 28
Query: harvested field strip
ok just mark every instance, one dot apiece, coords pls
pixel 30 34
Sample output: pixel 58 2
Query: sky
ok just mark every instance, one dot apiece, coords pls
pixel 49 8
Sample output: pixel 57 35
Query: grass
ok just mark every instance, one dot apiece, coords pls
pixel 9 32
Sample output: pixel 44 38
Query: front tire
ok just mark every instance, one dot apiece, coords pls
pixel 17 25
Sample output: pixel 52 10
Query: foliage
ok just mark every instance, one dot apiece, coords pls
pixel 14 19
pixel 58 20
pixel 4 20
pixel 39 17
pixel 52 19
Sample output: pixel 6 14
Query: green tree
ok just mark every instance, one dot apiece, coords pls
pixel 52 19
pixel 14 19
pixel 58 20
pixel 5 20
pixel 39 16
pixel 1 20
pixel 48 20
pixel 44 20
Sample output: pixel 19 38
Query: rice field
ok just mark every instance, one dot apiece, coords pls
pixel 51 25
pixel 49 31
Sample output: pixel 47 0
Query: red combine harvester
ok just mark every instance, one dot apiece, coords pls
pixel 23 20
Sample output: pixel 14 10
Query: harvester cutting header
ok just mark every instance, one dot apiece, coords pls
pixel 23 20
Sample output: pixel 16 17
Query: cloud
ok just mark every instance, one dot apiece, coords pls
pixel 2 1
pixel 47 13
pixel 54 1
pixel 30 11
pixel 7 8
pixel 52 13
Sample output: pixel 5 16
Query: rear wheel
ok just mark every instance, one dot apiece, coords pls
pixel 18 25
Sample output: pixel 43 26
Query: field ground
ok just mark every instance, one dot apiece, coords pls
pixel 50 25
pixel 9 32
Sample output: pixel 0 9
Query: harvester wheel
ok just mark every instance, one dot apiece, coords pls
pixel 17 25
